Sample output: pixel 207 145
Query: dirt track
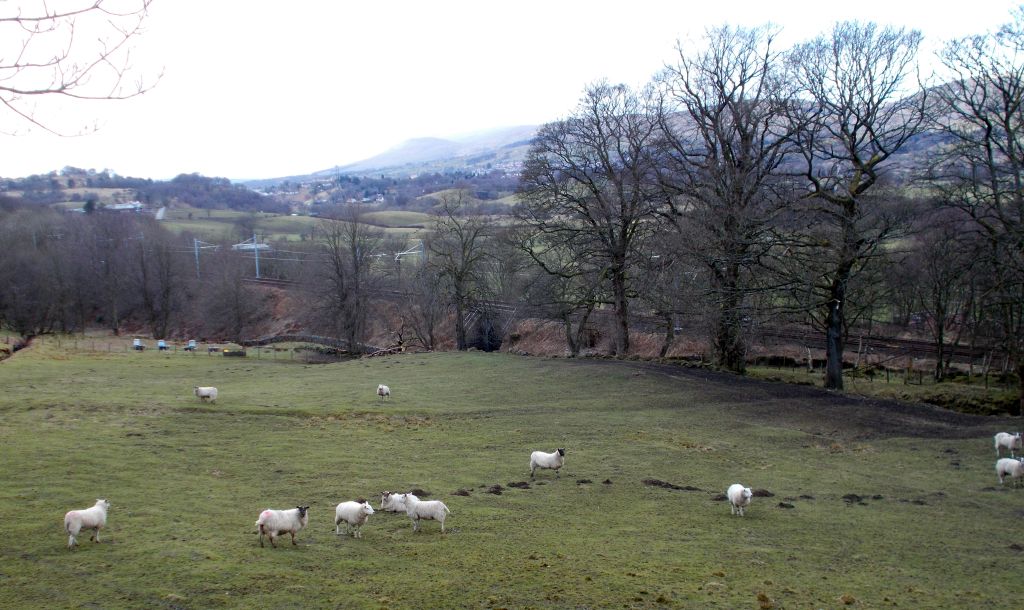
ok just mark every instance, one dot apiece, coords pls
pixel 824 412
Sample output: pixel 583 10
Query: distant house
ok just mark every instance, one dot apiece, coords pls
pixel 131 206
pixel 250 247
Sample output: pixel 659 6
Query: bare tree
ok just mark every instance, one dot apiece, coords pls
pixel 567 283
pixel 855 114
pixel 226 304
pixel 80 51
pixel 941 263
pixel 590 181
pixel 161 273
pixel 342 278
pixel 457 250
pixel 725 139
pixel 426 307
pixel 980 113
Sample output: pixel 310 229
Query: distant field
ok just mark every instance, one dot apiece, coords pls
pixel 887 505
pixel 400 219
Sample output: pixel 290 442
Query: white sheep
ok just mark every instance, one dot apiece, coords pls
pixel 354 514
pixel 384 392
pixel 424 509
pixel 394 502
pixel 739 497
pixel 205 393
pixel 93 518
pixel 1007 440
pixel 1010 466
pixel 273 523
pixel 554 461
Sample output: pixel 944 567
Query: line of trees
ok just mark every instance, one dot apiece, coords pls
pixel 794 184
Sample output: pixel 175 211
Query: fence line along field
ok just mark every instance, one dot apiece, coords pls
pixel 857 503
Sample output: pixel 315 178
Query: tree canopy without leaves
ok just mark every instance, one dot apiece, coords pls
pixel 855 111
pixel 81 50
pixel 725 138
pixel 591 181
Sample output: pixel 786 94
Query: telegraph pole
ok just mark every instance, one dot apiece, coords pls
pixel 195 244
pixel 256 249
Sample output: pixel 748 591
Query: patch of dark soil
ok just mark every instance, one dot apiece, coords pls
pixel 878 497
pixel 520 485
pixel 785 505
pixel 919 502
pixel 806 497
pixel 851 498
pixel 1016 547
pixel 762 493
pixel 495 489
pixel 666 485
pixel 461 492
pixel 815 410
pixel 541 483
pixel 606 482
pixel 420 493
pixel 993 489
pixel 719 498
pixel 583 481
pixel 950 450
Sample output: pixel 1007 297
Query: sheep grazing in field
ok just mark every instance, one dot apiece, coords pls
pixel 1008 441
pixel 394 502
pixel 93 518
pixel 424 509
pixel 554 461
pixel 384 392
pixel 354 514
pixel 1010 466
pixel 273 523
pixel 205 393
pixel 739 497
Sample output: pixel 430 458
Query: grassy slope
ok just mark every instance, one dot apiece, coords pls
pixel 187 483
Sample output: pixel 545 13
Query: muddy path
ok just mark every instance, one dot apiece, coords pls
pixel 818 411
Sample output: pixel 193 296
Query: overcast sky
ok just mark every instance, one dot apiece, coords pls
pixel 259 89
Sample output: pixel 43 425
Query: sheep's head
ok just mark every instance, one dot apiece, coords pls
pixel 302 511
pixel 367 509
pixel 561 451
pixel 103 503
pixel 384 497
pixel 747 494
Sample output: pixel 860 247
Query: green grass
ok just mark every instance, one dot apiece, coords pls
pixel 187 482
pixel 396 218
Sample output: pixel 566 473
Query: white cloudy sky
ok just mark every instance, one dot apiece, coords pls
pixel 259 88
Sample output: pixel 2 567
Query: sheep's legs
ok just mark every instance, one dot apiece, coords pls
pixel 293 538
pixel 95 534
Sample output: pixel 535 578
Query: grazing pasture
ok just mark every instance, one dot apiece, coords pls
pixel 873 504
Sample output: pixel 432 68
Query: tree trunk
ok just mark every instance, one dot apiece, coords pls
pixel 834 339
pixel 732 353
pixel 1020 389
pixel 621 313
pixel 670 335
pixel 460 324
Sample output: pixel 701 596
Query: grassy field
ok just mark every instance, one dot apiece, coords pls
pixel 929 527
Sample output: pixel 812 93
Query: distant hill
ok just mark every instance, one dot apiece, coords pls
pixel 503 148
pixel 472 152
